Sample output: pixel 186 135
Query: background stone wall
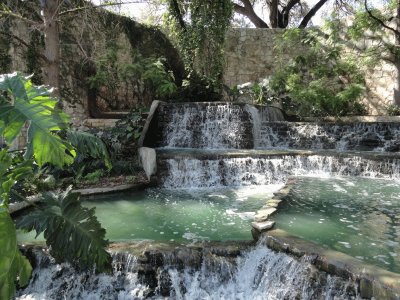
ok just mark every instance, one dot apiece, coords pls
pixel 250 56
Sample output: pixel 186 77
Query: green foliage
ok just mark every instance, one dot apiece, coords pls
pixel 130 127
pixel 21 102
pixel 381 42
pixel 320 81
pixel 33 52
pixel 93 177
pixel 141 73
pixel 5 45
pixel 201 36
pixel 72 231
pixel 393 110
pixel 257 92
pixel 10 173
pixel 161 80
pixel 89 146
pixel 199 89
pixel 14 267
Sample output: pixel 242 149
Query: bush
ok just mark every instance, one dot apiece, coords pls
pixel 320 81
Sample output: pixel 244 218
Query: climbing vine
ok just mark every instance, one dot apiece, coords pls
pixel 5 45
pixel 33 52
pixel 199 28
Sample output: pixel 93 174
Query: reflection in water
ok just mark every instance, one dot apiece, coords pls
pixel 357 216
pixel 179 215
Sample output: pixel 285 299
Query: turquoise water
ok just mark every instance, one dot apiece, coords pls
pixel 357 216
pixel 179 215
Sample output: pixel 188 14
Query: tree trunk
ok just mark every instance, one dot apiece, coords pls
pixel 397 57
pixel 52 44
pixel 273 13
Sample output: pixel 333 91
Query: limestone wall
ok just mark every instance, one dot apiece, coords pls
pixel 250 56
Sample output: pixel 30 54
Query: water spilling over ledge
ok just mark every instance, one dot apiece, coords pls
pixel 215 271
pixel 205 169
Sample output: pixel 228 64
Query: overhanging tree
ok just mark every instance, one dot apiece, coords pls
pixel 45 16
pixel 282 13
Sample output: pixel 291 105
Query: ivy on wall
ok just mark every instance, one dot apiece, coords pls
pixel 199 28
pixel 32 54
pixel 5 45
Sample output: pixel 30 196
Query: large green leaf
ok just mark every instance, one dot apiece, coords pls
pixel 10 174
pixel 72 232
pixel 14 268
pixel 88 145
pixel 26 103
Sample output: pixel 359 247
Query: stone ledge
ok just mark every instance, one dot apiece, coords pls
pixel 87 193
pixel 99 123
pixel 356 119
pixel 261 222
pixel 374 282
pixel 115 189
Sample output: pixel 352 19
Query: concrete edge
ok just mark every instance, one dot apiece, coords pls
pixel 86 193
pixel 153 109
pixel 206 155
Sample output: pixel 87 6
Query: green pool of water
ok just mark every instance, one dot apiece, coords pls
pixel 357 216
pixel 179 215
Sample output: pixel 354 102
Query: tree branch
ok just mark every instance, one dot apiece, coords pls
pixel 177 13
pixel 77 9
pixel 273 13
pixel 248 11
pixel 311 13
pixel 19 17
pixel 381 22
pixel 285 12
pixel 22 42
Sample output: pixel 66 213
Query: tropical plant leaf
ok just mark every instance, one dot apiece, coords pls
pixel 24 102
pixel 72 232
pixel 10 174
pixel 14 267
pixel 88 145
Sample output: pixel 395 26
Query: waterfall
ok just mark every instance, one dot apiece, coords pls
pixel 255 273
pixel 256 120
pixel 195 173
pixel 341 137
pixel 207 125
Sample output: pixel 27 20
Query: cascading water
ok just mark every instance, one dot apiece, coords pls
pixel 195 173
pixel 342 137
pixel 256 273
pixel 213 125
pixel 216 126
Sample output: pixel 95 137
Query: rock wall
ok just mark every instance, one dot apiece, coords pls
pixel 250 56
